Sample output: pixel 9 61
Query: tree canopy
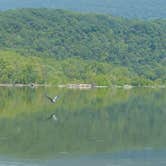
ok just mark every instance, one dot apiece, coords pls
pixel 136 45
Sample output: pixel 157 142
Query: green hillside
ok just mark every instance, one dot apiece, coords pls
pixel 15 68
pixel 135 46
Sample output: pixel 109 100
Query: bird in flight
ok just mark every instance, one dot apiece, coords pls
pixel 52 100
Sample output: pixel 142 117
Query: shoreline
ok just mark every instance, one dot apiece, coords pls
pixel 24 85
pixel 82 86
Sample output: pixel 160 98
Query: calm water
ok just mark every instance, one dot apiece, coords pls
pixel 106 127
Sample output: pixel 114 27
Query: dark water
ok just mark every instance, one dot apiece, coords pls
pixel 104 127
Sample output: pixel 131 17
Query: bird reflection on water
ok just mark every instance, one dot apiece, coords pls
pixel 52 100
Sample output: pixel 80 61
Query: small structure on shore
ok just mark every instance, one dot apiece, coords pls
pixel 127 86
pixel 79 86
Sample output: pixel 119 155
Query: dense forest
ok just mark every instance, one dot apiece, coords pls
pixel 126 8
pixel 15 68
pixel 81 47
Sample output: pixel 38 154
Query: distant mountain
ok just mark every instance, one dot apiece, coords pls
pixel 126 8
pixel 136 44
pixel 57 46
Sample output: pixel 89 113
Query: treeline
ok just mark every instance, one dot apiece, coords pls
pixel 138 46
pixel 15 68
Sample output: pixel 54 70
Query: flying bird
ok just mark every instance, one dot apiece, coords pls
pixel 52 100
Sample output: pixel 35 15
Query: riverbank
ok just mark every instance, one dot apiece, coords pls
pixel 24 85
pixel 82 86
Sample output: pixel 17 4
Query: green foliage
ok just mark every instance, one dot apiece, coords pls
pixel 15 68
pixel 137 46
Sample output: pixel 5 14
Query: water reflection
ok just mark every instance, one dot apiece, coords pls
pixel 89 122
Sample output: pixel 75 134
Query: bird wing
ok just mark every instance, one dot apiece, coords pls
pixel 55 98
pixel 49 97
pixel 49 118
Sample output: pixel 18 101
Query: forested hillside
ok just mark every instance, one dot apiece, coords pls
pixel 139 46
pixel 126 8
pixel 15 68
